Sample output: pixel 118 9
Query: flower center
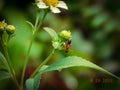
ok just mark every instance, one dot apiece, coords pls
pixel 51 2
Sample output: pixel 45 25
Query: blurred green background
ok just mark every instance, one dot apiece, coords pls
pixel 95 27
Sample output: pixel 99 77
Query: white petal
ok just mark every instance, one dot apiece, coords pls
pixel 62 5
pixel 54 9
pixel 41 4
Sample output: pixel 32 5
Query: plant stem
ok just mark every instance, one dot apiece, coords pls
pixel 30 45
pixel 37 20
pixel 43 63
pixel 11 70
pixel 10 65
pixel 39 25
pixel 1 43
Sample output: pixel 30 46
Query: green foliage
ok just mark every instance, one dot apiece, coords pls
pixel 71 61
pixel 4 74
pixel 30 84
pixel 33 83
pixel 3 59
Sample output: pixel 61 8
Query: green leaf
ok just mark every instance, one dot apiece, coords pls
pixel 38 77
pixel 2 67
pixel 73 61
pixel 4 74
pixel 67 62
pixel 52 33
pixel 3 59
pixel 33 83
pixel 30 83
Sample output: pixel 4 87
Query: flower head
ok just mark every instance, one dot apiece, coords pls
pixel 2 25
pixel 52 4
pixel 10 29
pixel 65 34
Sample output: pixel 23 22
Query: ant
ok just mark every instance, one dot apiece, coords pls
pixel 68 44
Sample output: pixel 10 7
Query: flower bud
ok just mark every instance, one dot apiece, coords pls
pixel 2 25
pixel 62 46
pixel 36 1
pixel 10 29
pixel 55 44
pixel 65 34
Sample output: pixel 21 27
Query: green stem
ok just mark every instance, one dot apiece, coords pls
pixel 29 48
pixel 43 63
pixel 11 70
pixel 39 25
pixel 37 20
pixel 1 44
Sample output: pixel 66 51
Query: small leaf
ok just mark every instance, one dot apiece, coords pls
pixel 38 77
pixel 52 33
pixel 67 62
pixel 4 74
pixel 33 83
pixel 30 84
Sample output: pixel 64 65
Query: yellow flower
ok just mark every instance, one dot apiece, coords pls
pixel 2 25
pixel 65 34
pixel 52 4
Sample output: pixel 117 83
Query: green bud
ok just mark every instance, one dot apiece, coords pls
pixel 62 46
pixel 10 29
pixel 65 34
pixel 55 44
